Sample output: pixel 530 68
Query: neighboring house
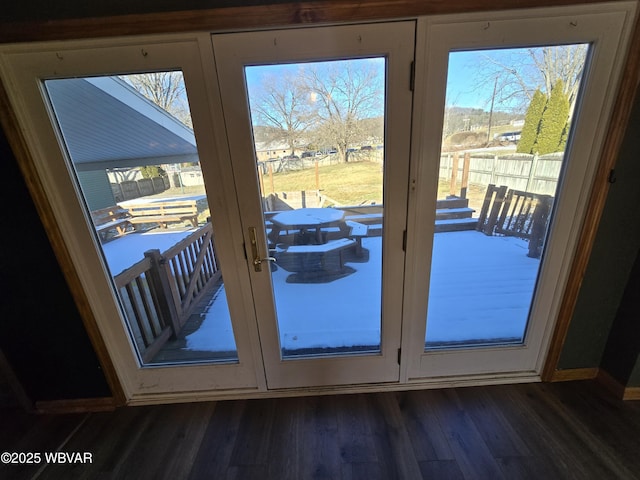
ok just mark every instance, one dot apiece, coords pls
pixel 266 151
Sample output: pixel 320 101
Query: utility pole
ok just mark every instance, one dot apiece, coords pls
pixel 493 98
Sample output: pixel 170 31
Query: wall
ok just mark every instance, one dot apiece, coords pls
pixel 96 188
pixel 622 351
pixel 41 332
pixel 614 252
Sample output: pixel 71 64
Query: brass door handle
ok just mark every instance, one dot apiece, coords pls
pixel 257 260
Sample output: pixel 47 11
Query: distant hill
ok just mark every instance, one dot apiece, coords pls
pixel 463 119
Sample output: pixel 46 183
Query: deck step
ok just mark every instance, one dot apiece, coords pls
pixel 452 202
pixel 451 213
pixel 456 224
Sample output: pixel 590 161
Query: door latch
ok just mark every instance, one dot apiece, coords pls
pixel 257 260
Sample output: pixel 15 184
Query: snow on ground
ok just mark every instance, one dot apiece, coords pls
pixel 123 252
pixel 481 289
pixel 161 198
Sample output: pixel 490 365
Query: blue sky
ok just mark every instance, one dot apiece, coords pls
pixel 460 83
pixel 470 78
pixel 461 86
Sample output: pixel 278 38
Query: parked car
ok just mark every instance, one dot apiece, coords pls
pixel 509 136
pixel 289 158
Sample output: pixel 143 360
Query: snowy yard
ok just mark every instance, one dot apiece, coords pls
pixel 481 289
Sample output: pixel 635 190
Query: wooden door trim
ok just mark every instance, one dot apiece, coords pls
pixel 255 17
pixel 298 14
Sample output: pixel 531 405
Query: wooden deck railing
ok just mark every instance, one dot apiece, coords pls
pixel 160 292
pixel 516 213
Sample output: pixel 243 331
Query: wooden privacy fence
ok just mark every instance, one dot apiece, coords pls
pixel 159 292
pixel 518 214
pixel 531 173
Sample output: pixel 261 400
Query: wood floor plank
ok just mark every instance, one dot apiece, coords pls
pixel 501 438
pixel 362 471
pixel 441 470
pixel 539 440
pixel 321 456
pixel 354 430
pixel 165 440
pixel 596 455
pixel 45 434
pixel 428 439
pixel 599 413
pixel 470 450
pixel 395 451
pixel 532 431
pixel 526 468
pixel 214 456
pixel 285 443
pixel 569 450
pixel 109 437
pixel 252 442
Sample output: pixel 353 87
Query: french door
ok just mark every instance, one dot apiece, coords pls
pixel 364 209
pixel 329 303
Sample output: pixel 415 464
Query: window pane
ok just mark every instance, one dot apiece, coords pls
pixel 135 159
pixel 508 119
pixel 319 137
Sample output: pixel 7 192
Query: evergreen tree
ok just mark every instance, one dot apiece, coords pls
pixel 151 171
pixel 531 125
pixel 554 121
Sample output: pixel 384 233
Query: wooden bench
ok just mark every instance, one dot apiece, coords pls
pixel 324 258
pixel 164 213
pixel 357 231
pixel 114 220
pixel 366 218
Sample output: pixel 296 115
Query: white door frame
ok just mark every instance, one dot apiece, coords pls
pixel 24 67
pixel 607 28
pixel 395 41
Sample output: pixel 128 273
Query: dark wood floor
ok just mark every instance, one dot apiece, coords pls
pixel 534 431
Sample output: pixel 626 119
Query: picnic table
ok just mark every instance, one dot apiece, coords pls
pixel 311 254
pixel 309 223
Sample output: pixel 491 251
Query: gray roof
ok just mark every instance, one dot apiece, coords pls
pixel 107 124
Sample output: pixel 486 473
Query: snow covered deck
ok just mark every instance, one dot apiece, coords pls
pixel 481 289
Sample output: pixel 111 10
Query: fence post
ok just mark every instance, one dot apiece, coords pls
pixel 163 294
pixel 465 174
pixel 493 170
pixel 273 188
pixel 454 174
pixel 532 171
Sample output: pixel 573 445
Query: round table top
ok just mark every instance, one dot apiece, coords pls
pixel 308 217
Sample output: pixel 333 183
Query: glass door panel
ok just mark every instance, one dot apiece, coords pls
pixel 134 157
pixel 312 116
pixel 507 121
pixel 318 131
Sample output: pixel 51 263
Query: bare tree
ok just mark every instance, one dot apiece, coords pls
pixel 165 89
pixel 520 72
pixel 279 105
pixel 344 93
